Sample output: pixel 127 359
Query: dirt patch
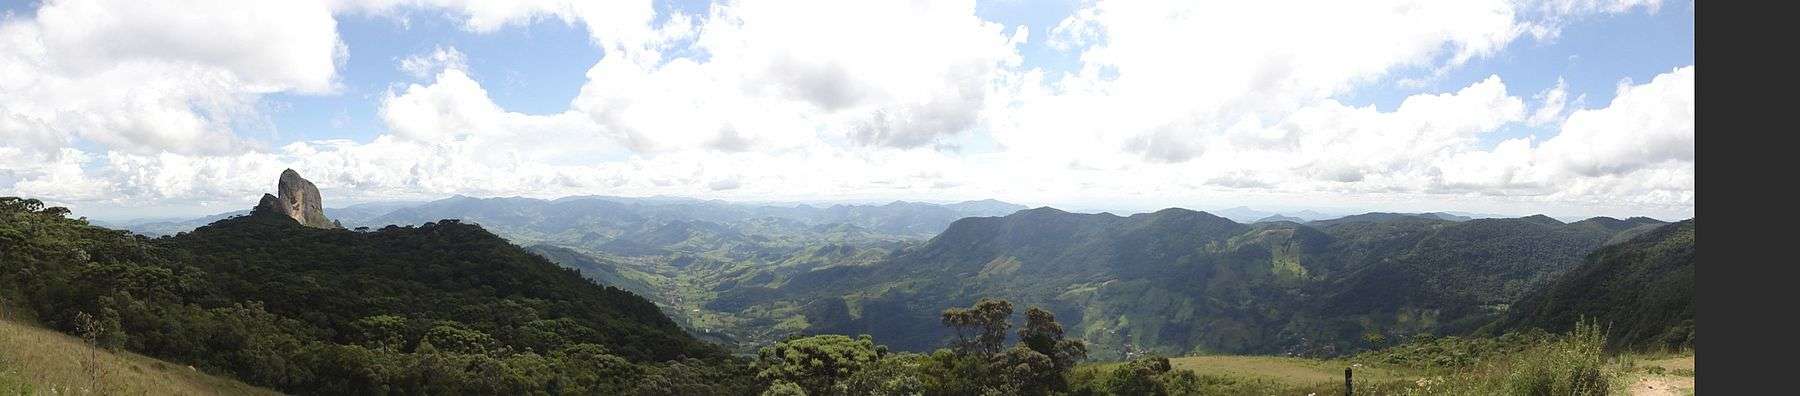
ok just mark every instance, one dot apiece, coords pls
pixel 1663 385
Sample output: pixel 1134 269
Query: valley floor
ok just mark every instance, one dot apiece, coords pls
pixel 38 361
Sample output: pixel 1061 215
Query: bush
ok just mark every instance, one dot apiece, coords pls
pixel 1569 366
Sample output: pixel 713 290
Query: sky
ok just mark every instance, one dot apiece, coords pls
pixel 1572 108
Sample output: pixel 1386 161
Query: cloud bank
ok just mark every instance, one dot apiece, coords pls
pixel 116 105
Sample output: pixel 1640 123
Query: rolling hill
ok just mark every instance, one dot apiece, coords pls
pixel 1179 282
pixel 1643 288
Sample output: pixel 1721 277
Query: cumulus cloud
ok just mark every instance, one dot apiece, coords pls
pixel 774 80
pixel 146 77
pixel 1639 148
pixel 1167 99
pixel 1169 74
pixel 1645 125
pixel 1552 101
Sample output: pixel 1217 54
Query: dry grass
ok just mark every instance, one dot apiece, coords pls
pixel 39 361
pixel 1660 374
pixel 1672 364
pixel 1285 373
pixel 1293 371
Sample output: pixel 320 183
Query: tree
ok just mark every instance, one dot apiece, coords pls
pixel 817 364
pixel 1044 336
pixel 946 372
pixel 20 205
pixel 1023 371
pixel 784 388
pixel 894 374
pixel 454 337
pixel 980 329
pixel 1036 365
pixel 384 332
pixel 1139 377
pixel 590 369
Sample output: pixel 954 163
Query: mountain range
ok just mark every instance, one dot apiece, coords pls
pixel 662 292
pixel 1175 281
pixel 1180 282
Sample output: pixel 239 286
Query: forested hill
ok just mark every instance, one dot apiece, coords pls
pixel 440 308
pixel 438 271
pixel 1180 281
pixel 1643 289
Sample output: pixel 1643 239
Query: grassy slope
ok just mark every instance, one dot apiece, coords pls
pixel 1284 373
pixel 1326 377
pixel 39 361
pixel 1296 371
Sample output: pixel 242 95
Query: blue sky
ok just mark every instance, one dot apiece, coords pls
pixel 774 101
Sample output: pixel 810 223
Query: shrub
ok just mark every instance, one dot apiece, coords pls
pixel 1571 365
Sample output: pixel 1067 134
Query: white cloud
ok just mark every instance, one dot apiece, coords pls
pixel 1639 148
pixel 771 77
pixel 428 64
pixel 620 27
pixel 147 77
pixel 1170 101
pixel 1166 75
pixel 1549 16
pixel 59 175
pixel 1645 125
pixel 1552 101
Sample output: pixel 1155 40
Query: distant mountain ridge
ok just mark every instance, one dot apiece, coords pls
pixel 1181 281
pixel 898 217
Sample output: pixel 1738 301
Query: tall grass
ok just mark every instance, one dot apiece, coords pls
pixel 1569 366
pixel 1572 364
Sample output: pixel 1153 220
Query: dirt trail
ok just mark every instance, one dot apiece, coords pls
pixel 1662 385
pixel 1665 384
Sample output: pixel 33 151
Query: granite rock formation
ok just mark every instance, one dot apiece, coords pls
pixel 298 199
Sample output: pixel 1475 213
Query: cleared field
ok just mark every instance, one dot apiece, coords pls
pixel 39 361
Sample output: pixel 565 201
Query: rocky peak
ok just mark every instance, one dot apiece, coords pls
pixel 269 203
pixel 298 199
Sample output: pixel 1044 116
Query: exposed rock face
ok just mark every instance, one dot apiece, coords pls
pixel 269 203
pixel 298 199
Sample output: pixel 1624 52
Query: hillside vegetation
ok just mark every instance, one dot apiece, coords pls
pixel 39 361
pixel 1181 282
pixel 442 308
pixel 1643 288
